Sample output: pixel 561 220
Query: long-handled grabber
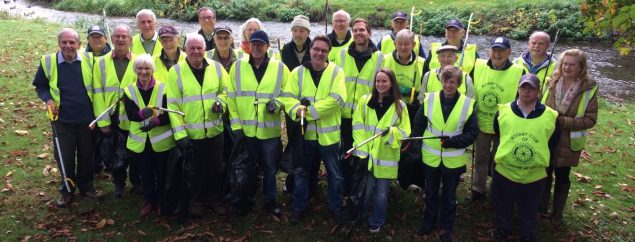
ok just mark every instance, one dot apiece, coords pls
pixel 168 110
pixel 104 113
pixel 350 151
pixel 302 117
pixel 65 179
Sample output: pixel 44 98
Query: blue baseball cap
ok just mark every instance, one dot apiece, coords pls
pixel 454 23
pixel 96 29
pixel 259 36
pixel 399 15
pixel 501 42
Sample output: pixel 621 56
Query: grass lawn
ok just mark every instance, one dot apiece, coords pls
pixel 601 205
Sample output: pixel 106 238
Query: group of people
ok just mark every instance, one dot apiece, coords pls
pixel 358 104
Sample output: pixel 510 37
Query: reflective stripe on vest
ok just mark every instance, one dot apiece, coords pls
pixel 578 138
pixel 463 117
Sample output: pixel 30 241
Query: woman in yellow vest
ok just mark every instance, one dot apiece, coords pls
pixel 150 137
pixel 573 94
pixel 450 115
pixel 380 110
pixel 526 132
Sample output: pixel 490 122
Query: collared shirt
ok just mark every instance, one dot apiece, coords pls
pixel 148 45
pixel 530 65
pixel 525 115
pixel 150 86
pixel 121 63
pixel 60 58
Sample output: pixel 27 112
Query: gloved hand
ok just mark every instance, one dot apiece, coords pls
pixel 217 107
pixel 305 102
pixel 271 106
pixel 448 142
pixel 146 112
pixel 238 134
pixel 153 123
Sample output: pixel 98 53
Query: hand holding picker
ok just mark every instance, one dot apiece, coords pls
pixel 52 118
pixel 350 151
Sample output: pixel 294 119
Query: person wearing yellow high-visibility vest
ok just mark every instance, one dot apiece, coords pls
pixel 97 41
pixel 111 74
pixel 377 111
pixel 64 82
pixel 150 138
pixel 146 42
pixel 536 60
pixel 254 113
pixel 448 114
pixel 454 33
pixel 246 29
pixel 574 95
pixel 196 87
pixel 360 61
pixel 170 54
pixel 340 37
pixel 430 82
pixel 496 82
pixel 408 68
pixel 526 135
pixel 317 89
pixel 399 22
pixel 224 52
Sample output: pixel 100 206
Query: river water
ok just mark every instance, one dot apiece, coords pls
pixel 615 73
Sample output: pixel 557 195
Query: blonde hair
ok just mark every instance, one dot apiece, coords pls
pixel 243 27
pixel 582 60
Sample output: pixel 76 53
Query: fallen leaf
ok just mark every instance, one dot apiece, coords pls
pixel 9 174
pixel 582 178
pixel 9 186
pixel 101 224
pixel 47 170
pixel 597 186
pixel 22 132
pixel 602 194
pixel 43 156
pixel 110 222
pixel 140 232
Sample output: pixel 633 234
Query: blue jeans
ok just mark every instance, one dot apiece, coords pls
pixel 313 151
pixel 377 196
pixel 446 214
pixel 267 154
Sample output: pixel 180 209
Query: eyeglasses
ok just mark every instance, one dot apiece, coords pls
pixel 208 18
pixel 320 50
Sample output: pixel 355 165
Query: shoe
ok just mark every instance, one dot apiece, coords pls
pixel 445 236
pixel 296 216
pixel 118 193
pixel 146 209
pixel 64 201
pixel 476 196
pixel 424 232
pixel 219 209
pixel 374 229
pixel 414 188
pixel 272 208
pixel 96 194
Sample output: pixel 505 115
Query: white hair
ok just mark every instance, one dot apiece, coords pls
pixel 146 12
pixel 143 59
pixel 540 34
pixel 405 34
pixel 194 36
pixel 68 30
pixel 244 27
pixel 122 26
pixel 342 12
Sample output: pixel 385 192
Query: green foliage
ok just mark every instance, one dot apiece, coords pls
pixel 287 14
pixel 615 17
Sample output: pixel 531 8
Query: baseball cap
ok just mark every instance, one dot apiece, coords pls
pixel 399 15
pixel 223 29
pixel 447 47
pixel 168 31
pixel 96 29
pixel 501 42
pixel 259 36
pixel 531 79
pixel 454 23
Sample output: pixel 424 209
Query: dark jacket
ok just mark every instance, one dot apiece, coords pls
pixel 362 57
pixel 333 37
pixel 289 57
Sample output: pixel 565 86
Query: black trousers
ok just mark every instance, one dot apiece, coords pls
pixel 346 129
pixel 77 143
pixel 130 169
pixel 506 194
pixel 207 171
pixel 153 165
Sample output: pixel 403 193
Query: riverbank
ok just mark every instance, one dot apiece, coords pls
pixel 600 207
pixel 497 17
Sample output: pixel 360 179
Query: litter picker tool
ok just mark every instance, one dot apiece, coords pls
pixel 302 117
pixel 67 181
pixel 169 110
pixel 422 138
pixel 467 36
pixel 553 48
pixel 104 113
pixel 350 151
